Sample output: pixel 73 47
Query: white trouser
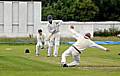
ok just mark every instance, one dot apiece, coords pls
pixel 54 43
pixel 76 56
pixel 38 47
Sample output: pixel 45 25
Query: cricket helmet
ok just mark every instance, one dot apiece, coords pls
pixel 39 30
pixel 49 17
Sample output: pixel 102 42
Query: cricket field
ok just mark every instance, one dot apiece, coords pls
pixel 94 62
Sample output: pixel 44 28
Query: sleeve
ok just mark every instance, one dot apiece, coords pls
pixel 59 23
pixel 76 34
pixel 37 37
pixel 44 37
pixel 94 45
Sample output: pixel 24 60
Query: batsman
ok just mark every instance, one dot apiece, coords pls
pixel 54 36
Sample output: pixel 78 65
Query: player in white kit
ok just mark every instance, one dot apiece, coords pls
pixel 78 47
pixel 40 41
pixel 54 36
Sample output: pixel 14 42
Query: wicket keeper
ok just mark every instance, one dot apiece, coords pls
pixel 40 41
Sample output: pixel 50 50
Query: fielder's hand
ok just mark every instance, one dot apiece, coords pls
pixel 71 27
pixel 107 50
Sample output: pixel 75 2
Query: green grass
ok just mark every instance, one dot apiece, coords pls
pixel 94 62
pixel 63 39
pixel 109 38
pixel 97 38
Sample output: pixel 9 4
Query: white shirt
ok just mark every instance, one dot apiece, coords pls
pixel 83 43
pixel 41 38
pixel 54 27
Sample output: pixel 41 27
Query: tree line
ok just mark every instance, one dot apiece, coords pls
pixel 82 10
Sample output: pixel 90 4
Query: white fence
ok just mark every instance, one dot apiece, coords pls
pixel 106 25
pixel 82 27
pixel 19 18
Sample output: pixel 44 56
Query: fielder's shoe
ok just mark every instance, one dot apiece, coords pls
pixel 37 54
pixel 65 65
pixel 73 64
pixel 55 55
pixel 48 55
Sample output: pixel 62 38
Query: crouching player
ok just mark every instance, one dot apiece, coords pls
pixel 40 41
pixel 78 47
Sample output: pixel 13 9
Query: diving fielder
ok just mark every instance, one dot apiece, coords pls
pixel 78 47
pixel 54 36
pixel 40 41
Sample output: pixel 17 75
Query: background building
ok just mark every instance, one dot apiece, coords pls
pixel 19 18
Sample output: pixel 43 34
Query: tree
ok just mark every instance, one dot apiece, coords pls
pixel 71 10
pixel 109 10
pixel 88 10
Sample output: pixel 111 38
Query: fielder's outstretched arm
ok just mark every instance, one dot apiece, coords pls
pixel 99 46
pixel 73 31
pixel 77 35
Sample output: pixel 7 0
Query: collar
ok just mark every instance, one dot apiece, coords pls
pixel 86 37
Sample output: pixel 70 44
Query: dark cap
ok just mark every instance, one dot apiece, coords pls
pixel 49 17
pixel 88 35
pixel 40 30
